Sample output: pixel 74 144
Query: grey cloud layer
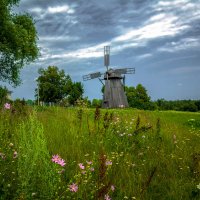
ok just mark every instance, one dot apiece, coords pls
pixel 72 33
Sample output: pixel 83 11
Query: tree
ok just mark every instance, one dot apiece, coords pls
pixel 53 84
pixel 3 94
pixel 197 103
pixel 17 42
pixel 138 98
pixel 76 92
pixel 131 94
pixel 96 103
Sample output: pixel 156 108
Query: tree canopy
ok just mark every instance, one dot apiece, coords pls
pixel 18 39
pixel 55 86
pixel 76 92
pixel 3 94
pixel 138 97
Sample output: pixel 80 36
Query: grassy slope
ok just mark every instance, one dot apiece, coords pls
pixel 156 164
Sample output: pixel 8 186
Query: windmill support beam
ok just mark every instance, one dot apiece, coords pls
pixel 101 81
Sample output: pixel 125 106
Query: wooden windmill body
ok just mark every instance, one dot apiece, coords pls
pixel 114 94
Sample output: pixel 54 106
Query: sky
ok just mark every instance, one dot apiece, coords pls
pixel 160 39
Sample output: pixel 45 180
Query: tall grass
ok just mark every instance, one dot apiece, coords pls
pixel 152 152
pixel 38 178
pixel 118 154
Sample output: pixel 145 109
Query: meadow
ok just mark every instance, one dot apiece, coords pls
pixel 82 153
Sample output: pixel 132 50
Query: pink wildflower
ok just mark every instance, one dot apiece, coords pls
pixel 108 162
pixel 106 197
pixel 112 187
pixel 61 162
pixel 89 162
pixel 73 187
pixel 81 165
pixel 55 158
pixel 7 106
pixel 15 154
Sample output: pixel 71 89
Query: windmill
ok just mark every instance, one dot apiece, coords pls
pixel 114 94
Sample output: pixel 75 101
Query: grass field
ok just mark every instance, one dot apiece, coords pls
pixel 107 154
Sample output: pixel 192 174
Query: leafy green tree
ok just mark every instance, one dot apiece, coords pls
pixel 131 95
pixel 53 84
pixel 188 106
pixel 3 94
pixel 178 105
pixel 141 94
pixel 18 38
pixel 30 102
pixel 76 92
pixel 197 103
pixel 96 103
pixel 138 98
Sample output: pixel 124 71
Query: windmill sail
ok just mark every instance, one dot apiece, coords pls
pixel 125 71
pixel 91 76
pixel 107 56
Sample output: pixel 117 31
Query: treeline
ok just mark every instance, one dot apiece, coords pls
pixel 138 98
pixel 56 88
pixel 178 105
pixel 161 104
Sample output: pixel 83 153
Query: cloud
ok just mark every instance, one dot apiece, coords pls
pixel 66 38
pixel 60 9
pixel 89 52
pixel 36 10
pixel 154 35
pixel 144 56
pixel 154 30
pixel 180 45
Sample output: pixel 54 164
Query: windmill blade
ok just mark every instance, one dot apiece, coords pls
pixel 91 76
pixel 125 71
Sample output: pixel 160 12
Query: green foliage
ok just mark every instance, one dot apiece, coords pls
pixel 151 152
pixel 83 102
pixel 30 102
pixel 18 38
pixel 121 154
pixel 9 122
pixel 197 103
pixel 138 98
pixel 194 123
pixel 53 84
pixel 3 95
pixel 178 105
pixel 76 92
pixel 8 169
pixel 37 177
pixel 96 103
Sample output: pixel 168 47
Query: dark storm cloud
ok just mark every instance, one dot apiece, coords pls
pixel 156 36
